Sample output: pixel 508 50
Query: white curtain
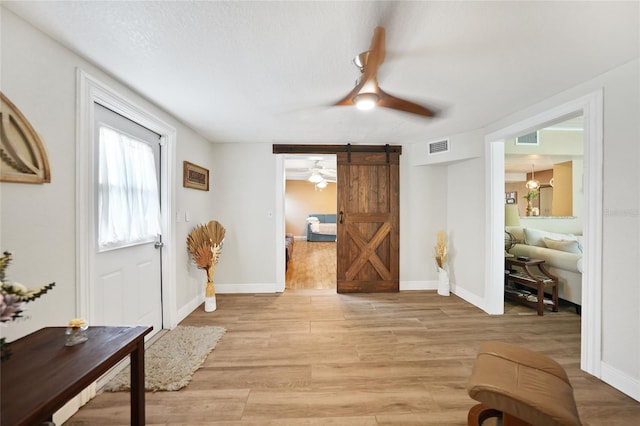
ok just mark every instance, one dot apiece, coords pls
pixel 128 200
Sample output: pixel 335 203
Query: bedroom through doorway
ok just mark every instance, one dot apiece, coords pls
pixel 310 202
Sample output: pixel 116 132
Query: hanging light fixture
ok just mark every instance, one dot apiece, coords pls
pixel 315 177
pixel 366 98
pixel 321 185
pixel 532 184
pixel 366 101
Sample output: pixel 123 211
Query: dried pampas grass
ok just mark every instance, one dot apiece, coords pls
pixel 441 249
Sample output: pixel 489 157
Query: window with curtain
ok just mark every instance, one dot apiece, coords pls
pixel 128 199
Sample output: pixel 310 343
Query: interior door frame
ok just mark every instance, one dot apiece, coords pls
pixel 90 90
pixel 591 107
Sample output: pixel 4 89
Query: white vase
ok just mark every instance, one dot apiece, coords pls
pixel 443 282
pixel 210 297
pixel 210 304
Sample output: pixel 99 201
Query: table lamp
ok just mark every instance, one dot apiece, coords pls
pixel 511 218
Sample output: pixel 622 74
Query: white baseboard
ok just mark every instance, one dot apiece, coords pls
pixel 185 310
pixel 469 297
pixel 246 288
pixel 418 285
pixel 270 288
pixel 74 404
pixel 620 380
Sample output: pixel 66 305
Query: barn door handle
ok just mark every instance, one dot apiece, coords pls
pixel 341 216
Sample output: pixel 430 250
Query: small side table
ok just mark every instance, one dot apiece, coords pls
pixel 520 271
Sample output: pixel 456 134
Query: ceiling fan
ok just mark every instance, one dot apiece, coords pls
pixel 314 174
pixel 367 93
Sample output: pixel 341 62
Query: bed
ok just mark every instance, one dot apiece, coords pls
pixel 321 227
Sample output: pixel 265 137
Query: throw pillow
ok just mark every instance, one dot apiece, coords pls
pixel 570 246
pixel 535 237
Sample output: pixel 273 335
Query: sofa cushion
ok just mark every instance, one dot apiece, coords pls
pixel 570 246
pixel 517 232
pixel 535 237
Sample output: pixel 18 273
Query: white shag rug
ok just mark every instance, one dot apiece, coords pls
pixel 170 362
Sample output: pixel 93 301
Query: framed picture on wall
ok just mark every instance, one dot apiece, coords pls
pixel 511 197
pixel 194 176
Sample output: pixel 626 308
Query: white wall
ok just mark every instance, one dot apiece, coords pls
pixel 423 212
pixel 244 192
pixel 467 223
pixel 454 182
pixel 195 205
pixel 38 222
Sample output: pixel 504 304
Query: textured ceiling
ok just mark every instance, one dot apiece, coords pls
pixel 270 71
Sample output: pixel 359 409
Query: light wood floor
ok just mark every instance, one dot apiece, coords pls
pixel 312 265
pixel 313 357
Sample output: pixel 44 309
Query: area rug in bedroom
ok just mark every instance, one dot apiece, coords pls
pixel 171 361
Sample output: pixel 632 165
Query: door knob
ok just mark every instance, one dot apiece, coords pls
pixel 158 244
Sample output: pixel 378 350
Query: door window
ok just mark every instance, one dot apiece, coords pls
pixel 128 199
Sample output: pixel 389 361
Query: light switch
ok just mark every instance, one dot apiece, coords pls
pixel 187 216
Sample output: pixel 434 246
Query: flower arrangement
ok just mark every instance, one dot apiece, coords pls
pixel 13 296
pixel 529 197
pixel 77 323
pixel 76 332
pixel 204 243
pixel 441 249
pixel 441 260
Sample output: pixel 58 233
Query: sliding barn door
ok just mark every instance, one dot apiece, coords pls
pixel 368 222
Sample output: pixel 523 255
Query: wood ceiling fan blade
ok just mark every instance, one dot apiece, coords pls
pixel 378 46
pixel 389 101
pixel 375 55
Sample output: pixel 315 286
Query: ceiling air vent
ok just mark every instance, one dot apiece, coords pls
pixel 438 147
pixel 529 139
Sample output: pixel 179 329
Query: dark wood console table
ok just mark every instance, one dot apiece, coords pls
pixel 43 374
pixel 540 279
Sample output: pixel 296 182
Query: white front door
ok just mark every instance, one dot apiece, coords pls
pixel 127 279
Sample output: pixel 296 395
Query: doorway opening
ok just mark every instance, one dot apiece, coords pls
pixel 591 107
pixel 310 227
pixel 544 203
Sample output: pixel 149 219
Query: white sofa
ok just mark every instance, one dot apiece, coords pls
pixel 562 254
